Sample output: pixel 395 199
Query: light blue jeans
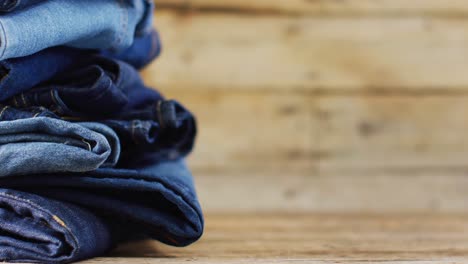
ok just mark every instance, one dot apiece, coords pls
pixel 48 145
pixel 90 24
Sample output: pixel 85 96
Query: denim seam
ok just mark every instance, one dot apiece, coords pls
pixel 15 101
pixel 147 13
pixel 58 107
pixel 87 143
pixel 61 108
pixel 38 207
pixel 3 111
pixel 15 4
pixel 3 43
pixel 24 100
pixel 158 110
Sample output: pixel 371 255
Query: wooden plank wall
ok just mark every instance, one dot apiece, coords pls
pixel 322 106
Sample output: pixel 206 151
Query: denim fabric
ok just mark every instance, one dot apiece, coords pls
pixel 150 199
pixel 89 24
pixel 38 229
pixel 145 24
pixel 13 5
pixel 47 145
pixel 143 51
pixel 101 88
pixel 111 92
pixel 20 74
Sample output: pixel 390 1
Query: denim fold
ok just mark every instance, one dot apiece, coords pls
pixel 48 145
pixel 149 200
pixel 111 92
pixel 144 50
pixel 87 24
pixel 20 74
pixel 37 229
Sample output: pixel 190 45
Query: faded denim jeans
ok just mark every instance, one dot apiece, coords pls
pixel 149 199
pixel 47 145
pixel 88 24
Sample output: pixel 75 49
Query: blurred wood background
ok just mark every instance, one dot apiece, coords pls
pixel 322 106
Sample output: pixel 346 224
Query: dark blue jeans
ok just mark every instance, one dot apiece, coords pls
pixel 148 199
pixel 110 91
pixel 38 229
pixel 20 74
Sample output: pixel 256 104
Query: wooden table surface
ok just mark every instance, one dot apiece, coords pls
pixel 307 238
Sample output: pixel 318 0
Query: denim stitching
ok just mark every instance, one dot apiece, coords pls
pixel 8 8
pixel 87 143
pixel 15 101
pixel 24 100
pixel 158 110
pixel 52 95
pixel 58 107
pixel 3 110
pixel 38 207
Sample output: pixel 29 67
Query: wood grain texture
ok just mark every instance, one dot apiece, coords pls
pixel 250 130
pixel 328 153
pixel 331 55
pixel 292 238
pixel 275 131
pixel 325 7
pixel 423 132
pixel 292 191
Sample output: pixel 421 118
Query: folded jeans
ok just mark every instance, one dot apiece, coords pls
pixel 20 74
pixel 149 200
pixel 39 229
pixel 112 92
pixel 88 24
pixel 49 145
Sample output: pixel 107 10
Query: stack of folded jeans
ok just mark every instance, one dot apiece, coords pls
pixel 89 156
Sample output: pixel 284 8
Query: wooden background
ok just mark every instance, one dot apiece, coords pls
pixel 320 105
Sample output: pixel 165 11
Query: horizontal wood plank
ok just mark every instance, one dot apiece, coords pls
pixel 325 7
pixel 301 238
pixel 250 130
pixel 329 55
pixel 393 132
pixel 271 131
pixel 291 191
pixel 315 153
